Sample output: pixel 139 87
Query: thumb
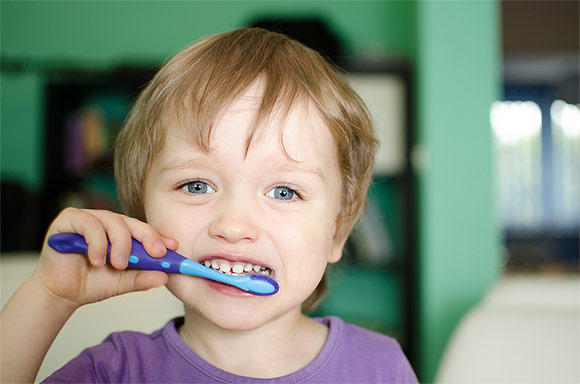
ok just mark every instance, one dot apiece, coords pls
pixel 137 280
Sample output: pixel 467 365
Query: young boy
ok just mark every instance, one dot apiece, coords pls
pixel 245 151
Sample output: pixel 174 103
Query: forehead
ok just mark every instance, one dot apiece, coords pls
pixel 296 128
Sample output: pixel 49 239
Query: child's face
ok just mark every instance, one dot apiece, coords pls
pixel 262 208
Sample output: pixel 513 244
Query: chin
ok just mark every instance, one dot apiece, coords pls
pixel 235 311
pixel 240 322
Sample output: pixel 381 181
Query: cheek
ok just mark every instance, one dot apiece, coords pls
pixel 308 263
pixel 308 246
pixel 158 216
pixel 173 221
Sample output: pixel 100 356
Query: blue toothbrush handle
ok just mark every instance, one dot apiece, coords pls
pixel 139 259
pixel 172 262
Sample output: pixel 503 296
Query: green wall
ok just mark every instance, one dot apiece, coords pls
pixel 21 128
pixel 103 31
pixel 453 46
pixel 458 63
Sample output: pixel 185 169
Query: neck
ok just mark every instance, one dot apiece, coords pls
pixel 277 348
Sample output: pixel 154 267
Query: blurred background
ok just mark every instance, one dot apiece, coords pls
pixel 475 207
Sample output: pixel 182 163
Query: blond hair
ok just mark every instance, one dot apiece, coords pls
pixel 201 81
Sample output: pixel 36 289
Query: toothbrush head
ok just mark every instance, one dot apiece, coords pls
pixel 262 285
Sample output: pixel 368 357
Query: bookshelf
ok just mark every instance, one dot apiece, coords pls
pixel 84 112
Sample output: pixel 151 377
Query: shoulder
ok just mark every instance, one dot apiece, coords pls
pixel 373 355
pixel 121 357
pixel 371 343
pixel 355 338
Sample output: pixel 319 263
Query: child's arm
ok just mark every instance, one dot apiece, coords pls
pixel 62 283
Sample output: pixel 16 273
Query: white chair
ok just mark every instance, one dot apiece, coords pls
pixel 526 330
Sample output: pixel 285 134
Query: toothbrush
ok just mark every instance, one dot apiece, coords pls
pixel 172 262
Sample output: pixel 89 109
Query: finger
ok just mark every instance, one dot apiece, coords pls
pixel 92 229
pixel 170 243
pixel 121 229
pixel 151 239
pixel 118 236
pixel 120 239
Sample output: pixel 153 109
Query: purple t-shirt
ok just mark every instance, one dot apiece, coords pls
pixel 351 355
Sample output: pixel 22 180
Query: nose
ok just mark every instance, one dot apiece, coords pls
pixel 234 222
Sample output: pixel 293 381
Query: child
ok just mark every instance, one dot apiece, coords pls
pixel 245 151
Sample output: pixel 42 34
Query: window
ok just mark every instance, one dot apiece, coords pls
pixel 537 167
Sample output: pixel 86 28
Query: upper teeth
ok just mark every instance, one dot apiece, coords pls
pixel 237 268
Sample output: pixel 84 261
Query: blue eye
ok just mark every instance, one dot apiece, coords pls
pixel 281 193
pixel 198 187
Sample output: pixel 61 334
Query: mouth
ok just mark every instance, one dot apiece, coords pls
pixel 237 268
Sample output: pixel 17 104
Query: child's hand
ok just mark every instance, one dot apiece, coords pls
pixel 86 279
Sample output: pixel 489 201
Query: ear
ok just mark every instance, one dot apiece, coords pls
pixel 336 251
pixel 337 244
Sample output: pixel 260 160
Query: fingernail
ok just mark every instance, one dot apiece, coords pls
pixel 160 246
pixel 122 261
pixel 99 261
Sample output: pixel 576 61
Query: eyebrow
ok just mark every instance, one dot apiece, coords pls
pixel 180 164
pixel 196 162
pixel 297 166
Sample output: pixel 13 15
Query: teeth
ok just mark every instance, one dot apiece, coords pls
pixel 225 267
pixel 237 269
